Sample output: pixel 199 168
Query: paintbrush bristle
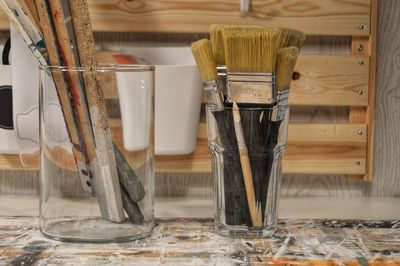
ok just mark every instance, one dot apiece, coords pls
pixel 205 61
pixel 284 38
pixel 285 64
pixel 217 43
pixel 250 49
pixel 296 39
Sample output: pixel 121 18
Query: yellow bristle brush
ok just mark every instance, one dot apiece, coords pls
pixel 203 55
pixel 286 61
pixel 285 64
pixel 296 38
pixel 217 43
pixel 250 55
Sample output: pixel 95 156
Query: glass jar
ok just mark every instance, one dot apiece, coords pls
pixel 97 156
pixel 246 202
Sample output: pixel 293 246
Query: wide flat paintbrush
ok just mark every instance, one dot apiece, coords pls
pixel 250 55
pixel 236 208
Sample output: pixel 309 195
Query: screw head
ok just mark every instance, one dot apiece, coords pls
pixel 361 27
pixel 360 47
pixel 359 132
pixel 360 92
pixel 361 62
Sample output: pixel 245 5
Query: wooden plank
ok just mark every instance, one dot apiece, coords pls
pixel 320 148
pixel 321 166
pixel 314 17
pixel 331 81
pixel 372 90
pixel 359 47
pixel 327 148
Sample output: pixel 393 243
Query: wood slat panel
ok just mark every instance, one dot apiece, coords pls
pixel 320 148
pixel 314 17
pixel 327 80
pixel 312 148
pixel 331 81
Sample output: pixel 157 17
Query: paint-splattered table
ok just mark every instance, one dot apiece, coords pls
pixel 193 242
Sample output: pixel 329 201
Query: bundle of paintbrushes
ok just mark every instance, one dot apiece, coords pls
pixel 68 42
pixel 246 72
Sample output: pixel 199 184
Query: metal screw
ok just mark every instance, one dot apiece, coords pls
pixel 361 27
pixel 360 47
pixel 360 92
pixel 359 132
pixel 361 62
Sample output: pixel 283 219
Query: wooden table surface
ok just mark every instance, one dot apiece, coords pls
pixel 193 242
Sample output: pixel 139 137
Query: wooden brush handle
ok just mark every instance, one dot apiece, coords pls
pixel 248 182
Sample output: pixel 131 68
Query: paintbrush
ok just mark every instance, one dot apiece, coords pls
pixel 255 213
pixel 250 54
pixel 236 209
pixel 205 61
pixel 286 62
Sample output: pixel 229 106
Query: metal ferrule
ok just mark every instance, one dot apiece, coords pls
pixel 221 71
pixel 214 93
pixel 279 111
pixel 252 87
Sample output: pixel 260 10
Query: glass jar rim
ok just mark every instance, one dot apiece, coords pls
pixel 256 107
pixel 102 68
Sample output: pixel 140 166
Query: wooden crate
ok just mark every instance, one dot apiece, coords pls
pixel 324 80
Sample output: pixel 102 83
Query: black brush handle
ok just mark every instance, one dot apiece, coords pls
pixel 132 208
pixel 271 143
pixel 236 207
pixel 6 52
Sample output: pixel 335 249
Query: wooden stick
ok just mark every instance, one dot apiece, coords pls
pixel 85 43
pixel 95 131
pixel 246 168
pixel 73 128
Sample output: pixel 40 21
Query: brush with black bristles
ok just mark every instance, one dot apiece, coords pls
pixel 236 209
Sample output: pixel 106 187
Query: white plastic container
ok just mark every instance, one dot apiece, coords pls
pixel 178 94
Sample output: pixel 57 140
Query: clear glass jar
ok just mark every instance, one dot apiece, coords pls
pixel 104 192
pixel 246 204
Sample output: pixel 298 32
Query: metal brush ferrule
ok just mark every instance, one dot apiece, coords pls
pixel 214 94
pixel 279 111
pixel 221 71
pixel 252 87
